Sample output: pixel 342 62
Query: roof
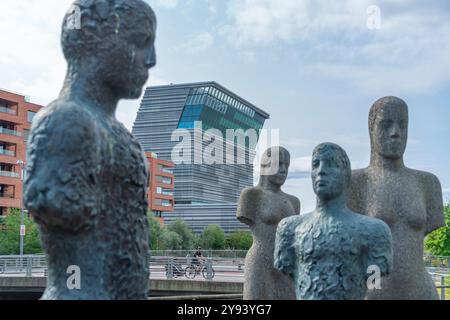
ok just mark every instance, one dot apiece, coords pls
pixel 218 86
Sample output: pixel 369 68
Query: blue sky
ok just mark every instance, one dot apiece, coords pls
pixel 315 66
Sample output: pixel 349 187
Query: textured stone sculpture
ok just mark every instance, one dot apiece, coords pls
pixel 86 174
pixel 330 252
pixel 409 201
pixel 262 208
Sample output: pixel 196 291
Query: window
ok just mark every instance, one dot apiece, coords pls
pixel 31 115
pixel 26 133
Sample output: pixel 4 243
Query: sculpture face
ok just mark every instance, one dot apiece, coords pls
pixel 132 62
pixel 284 160
pixel 390 131
pixel 329 177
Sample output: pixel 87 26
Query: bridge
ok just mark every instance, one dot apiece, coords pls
pixel 33 287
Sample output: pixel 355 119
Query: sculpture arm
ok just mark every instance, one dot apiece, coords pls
pixel 435 204
pixel 284 255
pixel 248 206
pixel 380 248
pixel 62 170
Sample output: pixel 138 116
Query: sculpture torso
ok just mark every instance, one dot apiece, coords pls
pixel 333 254
pixel 262 280
pixel 401 200
pixel 86 186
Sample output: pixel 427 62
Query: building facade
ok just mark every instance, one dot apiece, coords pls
pixel 197 116
pixel 16 115
pixel 161 184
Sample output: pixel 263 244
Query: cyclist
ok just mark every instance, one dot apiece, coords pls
pixel 198 259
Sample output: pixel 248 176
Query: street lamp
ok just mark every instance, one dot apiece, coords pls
pixel 22 226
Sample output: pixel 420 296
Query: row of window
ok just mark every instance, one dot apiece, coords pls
pixel 216 93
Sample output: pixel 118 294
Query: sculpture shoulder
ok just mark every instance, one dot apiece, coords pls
pixel 360 177
pixel 288 225
pixel 64 121
pixel 252 193
pixel 374 226
pixel 358 190
pixel 427 179
pixel 295 202
pixel 249 202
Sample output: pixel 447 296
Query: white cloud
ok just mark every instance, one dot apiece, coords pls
pixel 199 43
pixel 409 54
pixel 168 4
pixel 32 62
pixel 300 165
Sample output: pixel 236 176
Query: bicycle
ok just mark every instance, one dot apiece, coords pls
pixel 195 269
pixel 177 270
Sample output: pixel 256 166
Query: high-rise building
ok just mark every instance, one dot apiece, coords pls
pixel 16 115
pixel 198 116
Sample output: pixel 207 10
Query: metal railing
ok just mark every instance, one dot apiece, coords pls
pixel 6 195
pixel 442 281
pixel 436 261
pixel 7 110
pixel 10 132
pixel 7 152
pixel 9 174
pixel 170 267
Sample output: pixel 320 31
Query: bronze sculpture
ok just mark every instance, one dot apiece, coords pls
pixel 86 174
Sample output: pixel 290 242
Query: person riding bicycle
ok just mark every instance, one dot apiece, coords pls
pixel 198 259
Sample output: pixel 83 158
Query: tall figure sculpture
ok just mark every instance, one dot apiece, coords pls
pixel 409 201
pixel 86 174
pixel 262 208
pixel 332 252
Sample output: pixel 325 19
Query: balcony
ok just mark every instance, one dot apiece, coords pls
pixel 7 110
pixel 165 169
pixel 10 132
pixel 7 152
pixel 9 174
pixel 6 195
pixel 167 193
pixel 164 180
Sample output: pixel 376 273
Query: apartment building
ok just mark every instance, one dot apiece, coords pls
pixel 16 115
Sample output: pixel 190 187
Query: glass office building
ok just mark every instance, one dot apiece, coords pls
pixel 200 182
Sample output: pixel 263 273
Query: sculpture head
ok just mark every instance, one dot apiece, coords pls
pixel 331 171
pixel 388 126
pixel 279 169
pixel 113 41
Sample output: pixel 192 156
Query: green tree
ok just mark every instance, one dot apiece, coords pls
pixel 10 235
pixel 170 240
pixel 213 238
pixel 189 239
pixel 437 243
pixel 240 240
pixel 154 232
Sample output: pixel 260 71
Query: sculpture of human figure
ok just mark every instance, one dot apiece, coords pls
pixel 86 174
pixel 332 252
pixel 409 201
pixel 262 208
